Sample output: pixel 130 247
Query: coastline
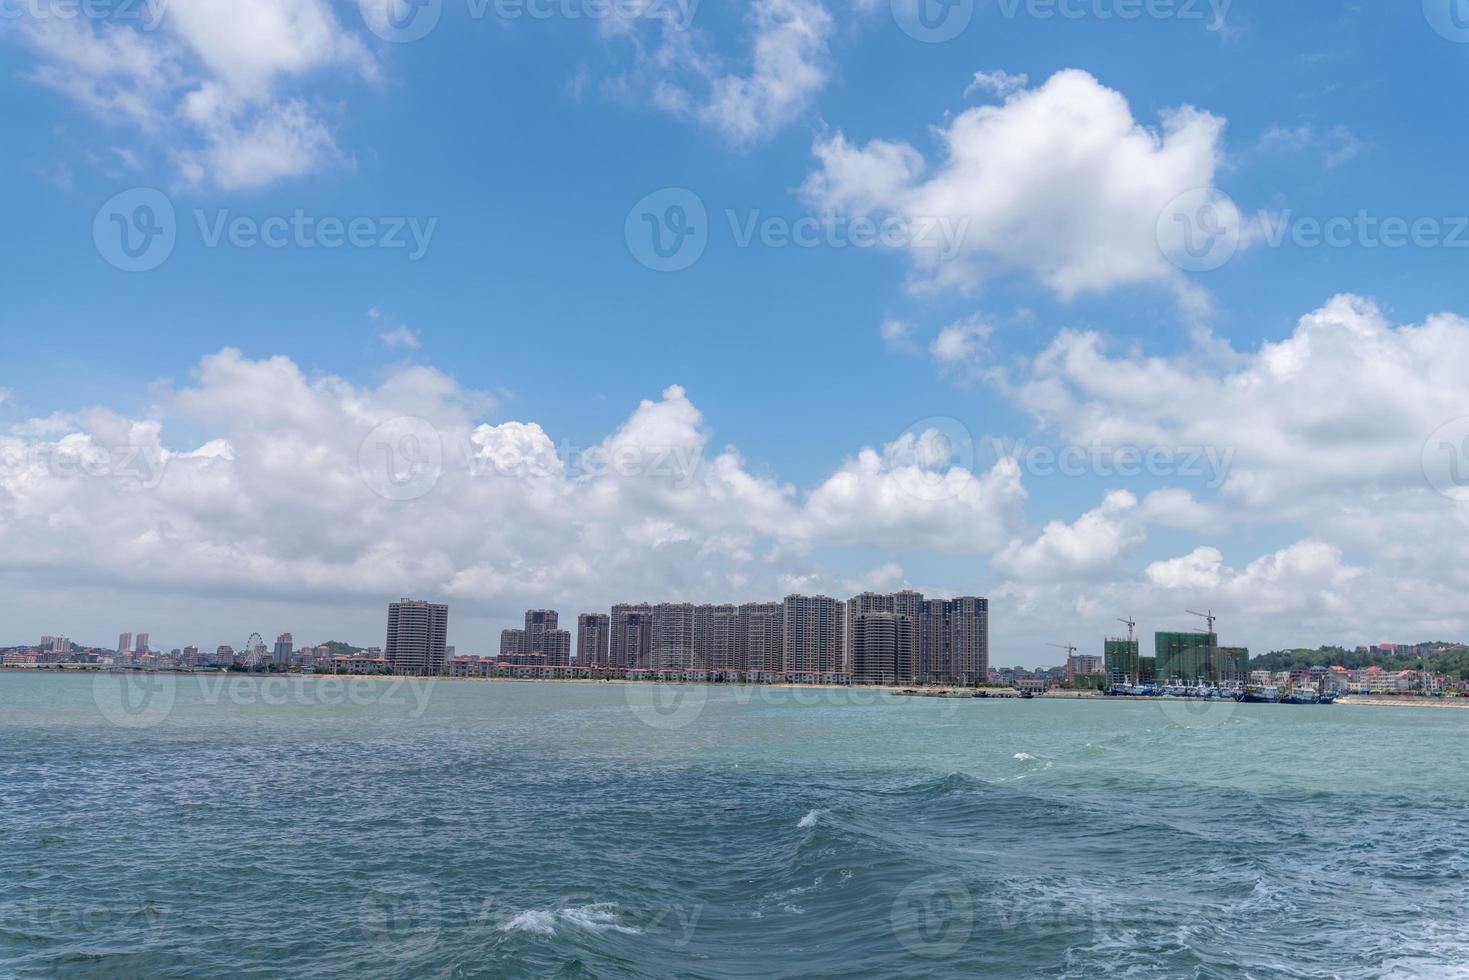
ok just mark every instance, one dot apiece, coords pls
pixel 1000 694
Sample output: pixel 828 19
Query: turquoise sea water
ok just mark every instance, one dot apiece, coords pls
pixel 308 827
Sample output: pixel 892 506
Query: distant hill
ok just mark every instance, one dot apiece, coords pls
pixel 1452 663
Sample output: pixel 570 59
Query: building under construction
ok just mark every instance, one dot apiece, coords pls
pixel 1121 662
pixel 1197 658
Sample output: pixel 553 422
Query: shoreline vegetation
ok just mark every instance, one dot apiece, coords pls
pixel 996 693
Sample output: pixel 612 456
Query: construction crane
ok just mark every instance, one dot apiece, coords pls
pixel 1207 616
pixel 1133 677
pixel 1070 660
pixel 1210 653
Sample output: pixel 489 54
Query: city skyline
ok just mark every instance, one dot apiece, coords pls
pixel 764 646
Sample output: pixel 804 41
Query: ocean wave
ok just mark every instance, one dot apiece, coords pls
pixel 543 922
pixel 810 819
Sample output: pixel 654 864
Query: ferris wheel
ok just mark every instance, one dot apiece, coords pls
pixel 255 648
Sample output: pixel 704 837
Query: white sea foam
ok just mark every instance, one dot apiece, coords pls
pixel 1024 757
pixel 543 922
pixel 535 920
pixel 809 820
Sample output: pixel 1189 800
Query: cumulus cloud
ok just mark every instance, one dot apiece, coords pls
pixel 1093 545
pixel 1347 400
pixel 1061 183
pixel 225 70
pixel 678 70
pixel 289 489
pixel 1343 437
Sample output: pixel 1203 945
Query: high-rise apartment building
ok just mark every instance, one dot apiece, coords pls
pixel 935 642
pixel 867 602
pixel 673 636
pixel 630 643
pixel 125 643
pixel 284 647
pixel 593 633
pixel 417 633
pixel 814 634
pixel 539 642
pixel 874 647
pixel 716 637
pixel 539 622
pixel 141 646
pixel 760 640
pixel 969 640
pixel 908 607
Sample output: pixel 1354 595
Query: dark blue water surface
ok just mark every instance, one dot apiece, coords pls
pixel 312 827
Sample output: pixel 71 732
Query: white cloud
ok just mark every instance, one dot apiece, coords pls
pixel 1092 546
pixel 1087 548
pixel 1347 401
pixel 1060 182
pixel 1336 145
pixel 897 335
pixel 959 349
pixel 393 334
pixel 1333 435
pixel 221 68
pixel 678 72
pixel 399 336
pixel 1309 575
pixel 999 83
pixel 272 501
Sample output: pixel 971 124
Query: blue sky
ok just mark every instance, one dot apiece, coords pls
pixel 526 143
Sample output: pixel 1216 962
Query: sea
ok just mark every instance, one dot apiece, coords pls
pixel 274 826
